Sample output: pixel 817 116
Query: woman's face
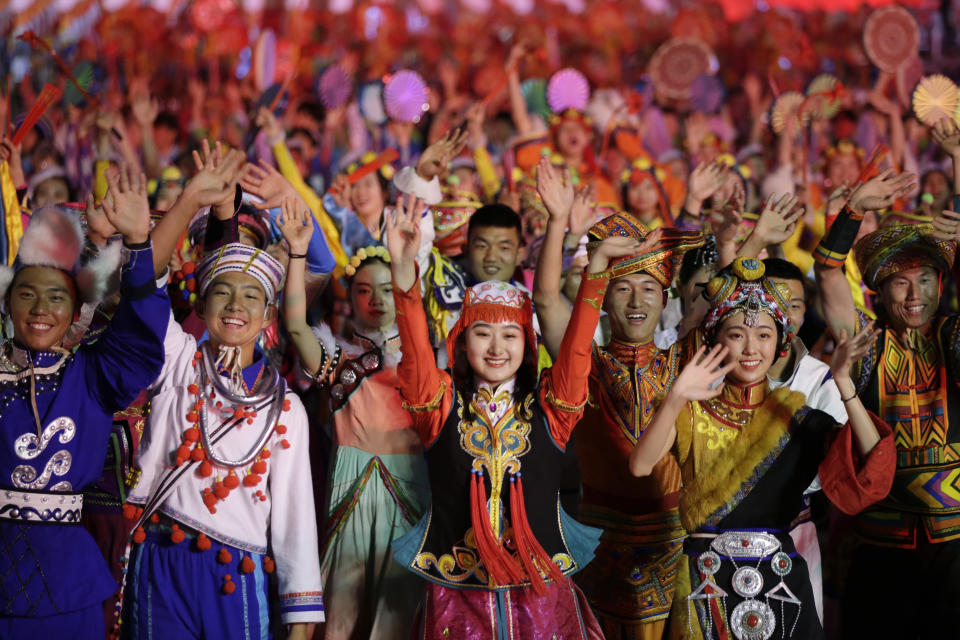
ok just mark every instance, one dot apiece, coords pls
pixel 643 196
pixel 371 297
pixel 494 350
pixel 572 140
pixel 366 197
pixel 752 348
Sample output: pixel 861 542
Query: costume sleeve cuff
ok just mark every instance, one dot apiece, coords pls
pixel 408 181
pixel 306 606
pixel 853 484
pixel 138 278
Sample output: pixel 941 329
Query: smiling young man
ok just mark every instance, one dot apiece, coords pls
pixel 629 583
pixel 908 564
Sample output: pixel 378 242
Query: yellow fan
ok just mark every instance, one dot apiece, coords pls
pixel 787 108
pixel 935 98
pixel 824 106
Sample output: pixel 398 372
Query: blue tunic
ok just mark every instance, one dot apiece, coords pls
pixel 45 568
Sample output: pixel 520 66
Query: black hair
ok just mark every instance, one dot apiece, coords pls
pixel 313 110
pixel 694 259
pixel 465 381
pixel 782 269
pixel 167 119
pixel 495 215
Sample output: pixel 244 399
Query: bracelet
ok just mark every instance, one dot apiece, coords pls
pixel 294 256
pixel 842 399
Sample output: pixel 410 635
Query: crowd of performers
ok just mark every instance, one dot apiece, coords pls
pixel 486 376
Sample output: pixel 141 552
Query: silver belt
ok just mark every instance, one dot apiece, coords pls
pixel 40 506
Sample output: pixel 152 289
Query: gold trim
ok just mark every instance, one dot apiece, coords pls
pixel 433 405
pixel 567 407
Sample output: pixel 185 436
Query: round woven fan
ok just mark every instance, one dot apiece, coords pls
pixel 822 105
pixel 706 94
pixel 535 95
pixel 568 89
pixel 677 63
pixel 787 109
pixel 890 37
pixel 405 96
pixel 908 75
pixel 334 87
pixel 935 98
pixel 370 101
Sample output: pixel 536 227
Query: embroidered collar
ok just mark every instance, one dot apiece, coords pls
pixel 14 358
pixel 386 340
pixel 495 400
pixel 744 396
pixel 637 354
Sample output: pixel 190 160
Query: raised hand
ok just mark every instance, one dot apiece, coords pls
pixel 340 190
pixel 216 177
pixel 271 127
pixel 610 249
pixel 296 224
pixel 583 213
pixel 704 370
pixel 438 155
pixel 12 154
pixel 706 179
pixel 268 184
pixel 556 189
pixel 778 220
pixel 476 114
pixel 881 191
pixel 403 239
pixel 850 351
pixel 126 206
pixel 947 134
pixel 946 225
pixel 144 108
pixel 99 228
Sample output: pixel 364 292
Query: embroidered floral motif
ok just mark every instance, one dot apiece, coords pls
pixel 458 566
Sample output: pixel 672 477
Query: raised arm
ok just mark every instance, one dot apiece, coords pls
pixel 947 134
pixel 776 223
pixel 518 105
pixel 694 383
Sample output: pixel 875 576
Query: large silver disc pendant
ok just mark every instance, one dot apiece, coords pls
pixel 747 582
pixel 753 620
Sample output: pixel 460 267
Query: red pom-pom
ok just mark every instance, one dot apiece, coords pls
pixel 192 434
pixel 238 413
pixel 193 388
pixel 130 511
pixel 286 404
pixel 265 454
pixel 206 469
pixel 246 565
pixel 285 444
pixel 268 564
pixel 220 491
pixel 198 405
pixel 193 416
pixel 155 518
pixel 183 451
pixel 203 542
pixel 281 429
pixel 197 355
pixel 231 481
pixel 197 454
pixel 178 535
pixel 219 405
pixel 224 557
pixel 228 586
pixel 249 420
pixel 139 535
pixel 251 480
pixel 188 267
pixel 209 500
pixel 259 467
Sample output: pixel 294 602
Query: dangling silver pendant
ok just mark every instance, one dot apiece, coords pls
pixel 753 620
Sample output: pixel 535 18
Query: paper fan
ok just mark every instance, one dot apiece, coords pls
pixel 568 89
pixel 334 87
pixel 935 98
pixel 706 93
pixel 824 102
pixel 405 96
pixel 908 75
pixel 85 73
pixel 535 95
pixel 677 63
pixel 371 102
pixel 265 60
pixel 890 37
pixel 787 109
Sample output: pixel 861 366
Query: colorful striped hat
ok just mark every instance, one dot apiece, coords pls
pixel 241 258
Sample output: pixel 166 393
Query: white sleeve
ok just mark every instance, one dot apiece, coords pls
pixel 293 521
pixel 178 349
pixel 408 181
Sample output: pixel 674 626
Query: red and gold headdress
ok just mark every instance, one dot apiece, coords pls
pixel 494 301
pixel 843 148
pixel 450 218
pixel 571 115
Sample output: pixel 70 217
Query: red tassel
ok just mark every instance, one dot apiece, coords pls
pixel 527 546
pixel 499 564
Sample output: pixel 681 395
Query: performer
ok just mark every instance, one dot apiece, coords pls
pixel 746 455
pixel 58 408
pixel 908 561
pixel 498 565
pixel 378 484
pixel 238 502
pixel 629 584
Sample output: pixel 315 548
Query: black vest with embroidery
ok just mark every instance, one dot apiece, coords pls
pixel 519 443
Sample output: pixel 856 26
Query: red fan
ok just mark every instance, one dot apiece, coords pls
pixel 677 63
pixel 890 37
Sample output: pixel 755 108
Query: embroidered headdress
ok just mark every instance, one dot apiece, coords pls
pixel 897 248
pixel 374 252
pixel 494 301
pixel 370 162
pixel 450 218
pixel 743 287
pixel 241 258
pixel 659 262
pixel 644 169
pixel 54 238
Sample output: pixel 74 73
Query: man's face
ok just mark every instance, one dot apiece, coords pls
pixel 844 168
pixel 50 191
pixel 493 253
pixel 634 303
pixel 235 309
pixel 41 303
pixel 797 301
pixel 911 297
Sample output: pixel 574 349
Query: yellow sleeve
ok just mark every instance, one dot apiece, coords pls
pixel 487 172
pixel 288 168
